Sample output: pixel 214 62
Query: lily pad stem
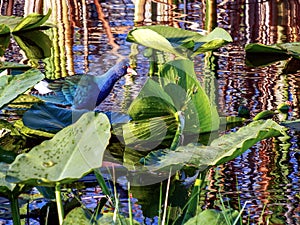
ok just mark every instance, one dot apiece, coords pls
pixel 178 138
pixel 15 210
pixel 59 204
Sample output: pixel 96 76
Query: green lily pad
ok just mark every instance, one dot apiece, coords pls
pixel 221 150
pixel 214 217
pixel 79 216
pixel 261 55
pixel 263 115
pixel 69 155
pixel 201 115
pixel 4 38
pixel 35 44
pixel 13 65
pixel 31 133
pixel 108 219
pixel 10 138
pixel 10 22
pixel 12 86
pixel 84 217
pixel 5 187
pixel 32 21
pixel 182 43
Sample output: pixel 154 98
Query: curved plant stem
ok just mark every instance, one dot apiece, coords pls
pixel 15 211
pixel 129 205
pixel 177 141
pixel 163 221
pixel 59 204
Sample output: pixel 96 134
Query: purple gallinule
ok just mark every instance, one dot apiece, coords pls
pixel 82 91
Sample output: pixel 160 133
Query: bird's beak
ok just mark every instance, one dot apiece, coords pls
pixel 131 71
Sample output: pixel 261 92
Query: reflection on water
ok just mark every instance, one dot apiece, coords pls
pixel 90 38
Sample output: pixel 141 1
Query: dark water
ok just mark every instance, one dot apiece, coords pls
pixel 91 37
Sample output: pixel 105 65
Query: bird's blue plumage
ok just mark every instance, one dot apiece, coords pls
pixel 84 91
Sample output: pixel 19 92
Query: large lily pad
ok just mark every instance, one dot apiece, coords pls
pixel 31 133
pixel 10 138
pixel 201 115
pixel 35 44
pixel 5 187
pixel 4 38
pixel 16 24
pixel 84 217
pixel 79 216
pixel 13 65
pixel 261 55
pixel 221 150
pixel 177 41
pixel 12 86
pixel 179 90
pixel 154 111
pixel 214 217
pixel 69 155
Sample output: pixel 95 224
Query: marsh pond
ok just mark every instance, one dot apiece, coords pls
pixel 149 112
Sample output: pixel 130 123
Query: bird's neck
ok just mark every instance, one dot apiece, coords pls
pixel 107 80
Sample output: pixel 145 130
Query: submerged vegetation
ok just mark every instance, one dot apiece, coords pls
pixel 170 129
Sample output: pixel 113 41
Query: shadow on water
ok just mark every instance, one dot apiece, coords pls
pixel 90 38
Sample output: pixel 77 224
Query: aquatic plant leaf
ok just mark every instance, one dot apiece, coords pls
pixel 180 42
pixel 4 30
pixel 24 101
pixel 221 150
pixel 35 44
pixel 31 133
pixel 10 21
pixel 5 187
pixel 149 133
pixel 263 115
pixel 173 34
pixel 17 24
pixel 201 115
pixel 261 48
pixel 13 65
pixel 153 117
pixel 212 41
pixel 31 21
pixel 84 217
pixel 10 138
pixel 108 219
pixel 262 55
pixel 292 66
pixel 79 216
pixel 69 155
pixel 12 86
pixel 214 217
pixel 4 38
pixel 247 136
pixel 293 48
pixel 153 112
pixel 152 39
pixel 151 104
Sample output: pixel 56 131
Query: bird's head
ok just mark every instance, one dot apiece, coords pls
pixel 122 68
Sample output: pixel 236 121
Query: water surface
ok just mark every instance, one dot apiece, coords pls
pixel 90 38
